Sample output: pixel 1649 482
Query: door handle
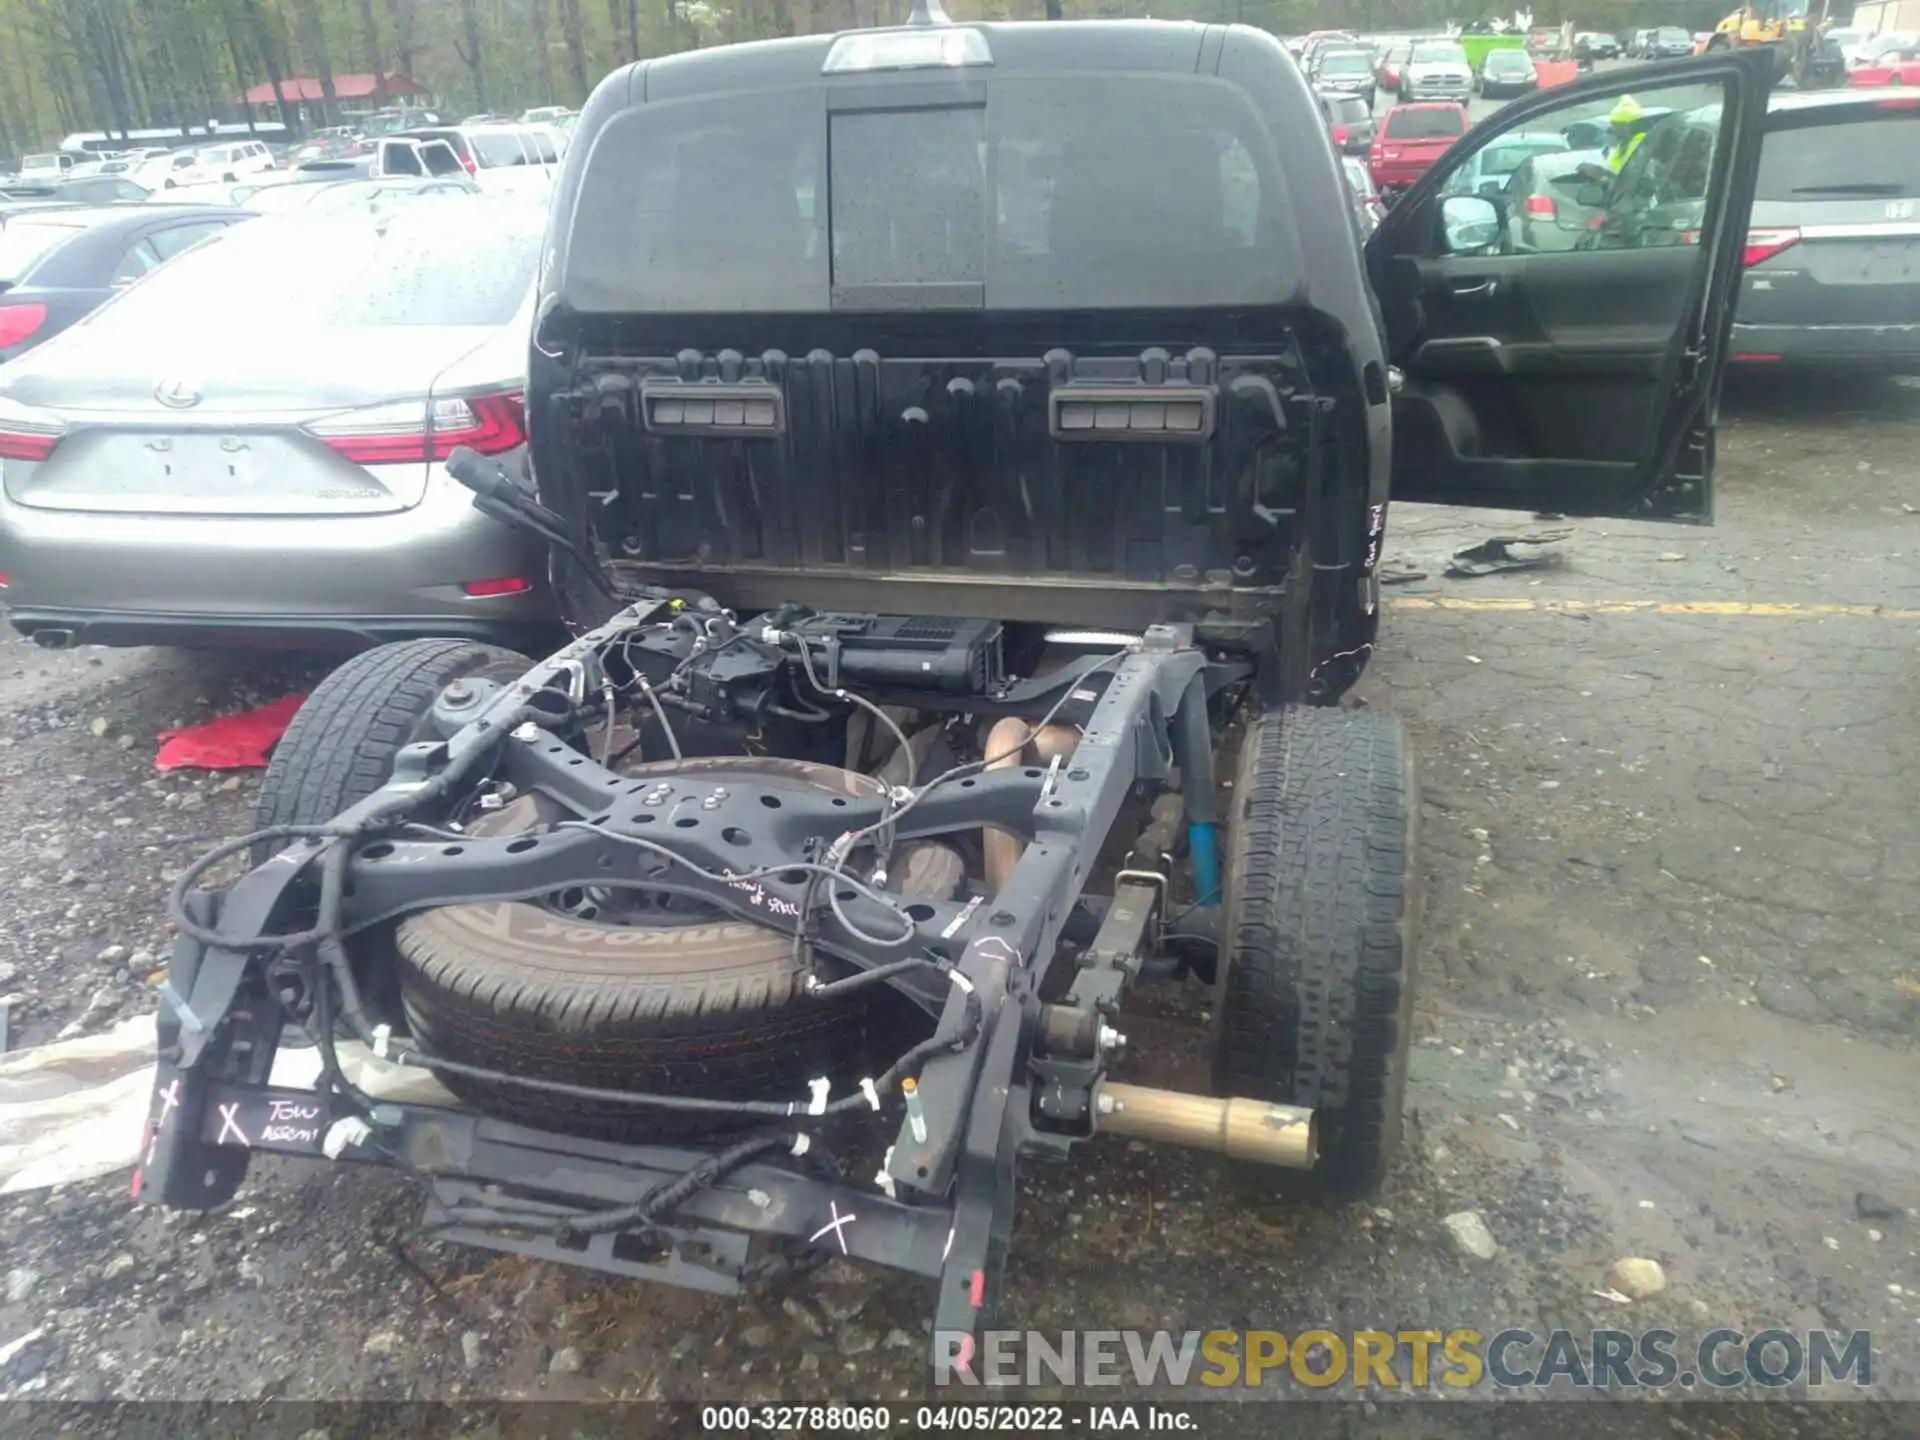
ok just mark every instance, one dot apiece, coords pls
pixel 1476 290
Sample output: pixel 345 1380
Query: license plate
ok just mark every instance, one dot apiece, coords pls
pixel 224 463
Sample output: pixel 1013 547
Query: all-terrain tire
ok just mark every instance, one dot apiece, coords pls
pixel 1313 999
pixel 340 746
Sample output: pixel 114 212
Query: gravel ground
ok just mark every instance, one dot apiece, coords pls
pixel 1668 1003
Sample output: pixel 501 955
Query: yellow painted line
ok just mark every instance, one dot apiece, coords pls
pixel 1781 610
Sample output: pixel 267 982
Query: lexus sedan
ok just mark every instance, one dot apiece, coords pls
pixel 248 446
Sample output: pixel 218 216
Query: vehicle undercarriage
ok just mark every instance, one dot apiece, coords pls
pixel 782 783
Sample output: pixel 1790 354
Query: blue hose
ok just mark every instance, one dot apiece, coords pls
pixel 1203 844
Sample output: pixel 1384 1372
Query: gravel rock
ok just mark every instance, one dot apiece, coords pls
pixel 1636 1278
pixel 842 1306
pixel 382 1342
pixel 121 1264
pixel 1469 1236
pixel 797 1311
pixel 857 1340
pixel 1869 1206
pixel 27 1356
pixel 21 1283
pixel 470 1349
pixel 567 1361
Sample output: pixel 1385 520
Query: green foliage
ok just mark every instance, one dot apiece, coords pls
pixel 106 64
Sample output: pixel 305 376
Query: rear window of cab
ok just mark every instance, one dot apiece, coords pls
pixel 1077 192
pixel 1404 122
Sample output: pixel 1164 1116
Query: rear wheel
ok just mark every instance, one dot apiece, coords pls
pixel 1313 1002
pixel 340 746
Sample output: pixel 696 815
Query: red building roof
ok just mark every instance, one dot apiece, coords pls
pixel 345 87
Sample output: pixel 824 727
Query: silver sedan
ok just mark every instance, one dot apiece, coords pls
pixel 248 446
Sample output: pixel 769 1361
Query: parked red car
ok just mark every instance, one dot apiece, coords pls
pixel 1412 138
pixel 1892 67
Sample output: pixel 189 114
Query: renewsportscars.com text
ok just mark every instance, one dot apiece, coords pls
pixel 1462 1359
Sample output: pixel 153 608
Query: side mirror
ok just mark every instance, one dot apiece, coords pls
pixel 1470 223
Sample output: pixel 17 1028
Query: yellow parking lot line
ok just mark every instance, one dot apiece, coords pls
pixel 1773 609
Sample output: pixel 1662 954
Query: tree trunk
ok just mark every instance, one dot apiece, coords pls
pixel 616 26
pixel 267 47
pixel 167 77
pixel 538 19
pixel 99 51
pixel 1055 11
pixel 32 132
pixel 471 55
pixel 236 52
pixel 406 17
pixel 313 42
pixel 375 57
pixel 633 29
pixel 573 30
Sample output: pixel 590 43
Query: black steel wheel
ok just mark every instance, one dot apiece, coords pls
pixel 1313 1000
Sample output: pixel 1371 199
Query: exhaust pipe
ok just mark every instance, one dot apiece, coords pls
pixel 53 639
pixel 1007 744
pixel 1253 1130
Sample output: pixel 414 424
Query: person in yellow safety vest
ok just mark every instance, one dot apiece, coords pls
pixel 1626 134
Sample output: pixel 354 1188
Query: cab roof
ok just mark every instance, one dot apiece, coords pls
pixel 1094 46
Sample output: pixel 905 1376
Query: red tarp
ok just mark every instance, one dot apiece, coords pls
pixel 227 742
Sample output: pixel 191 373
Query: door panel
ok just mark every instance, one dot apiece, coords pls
pixel 1579 380
pixel 1531 357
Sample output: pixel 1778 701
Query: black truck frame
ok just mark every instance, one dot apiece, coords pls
pixel 1004 1073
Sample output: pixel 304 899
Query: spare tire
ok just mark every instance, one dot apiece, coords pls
pixel 682 1004
pixel 691 1002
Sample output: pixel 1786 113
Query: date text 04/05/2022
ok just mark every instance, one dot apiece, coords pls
pixel 941 1419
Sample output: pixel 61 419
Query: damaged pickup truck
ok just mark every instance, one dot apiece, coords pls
pixel 955 443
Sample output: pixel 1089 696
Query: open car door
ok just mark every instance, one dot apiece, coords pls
pixel 1560 330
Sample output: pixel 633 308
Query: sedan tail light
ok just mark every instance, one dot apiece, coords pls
pixel 1339 134
pixel 418 430
pixel 1543 206
pixel 23 438
pixel 17 322
pixel 1762 244
pixel 1765 244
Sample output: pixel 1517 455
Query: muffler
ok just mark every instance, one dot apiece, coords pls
pixel 1253 1130
pixel 53 639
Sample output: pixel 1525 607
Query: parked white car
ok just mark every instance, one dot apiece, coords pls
pixel 231 161
pixel 503 158
pixel 53 165
pixel 168 171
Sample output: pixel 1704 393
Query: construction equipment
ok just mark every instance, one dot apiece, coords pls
pixel 1799 36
